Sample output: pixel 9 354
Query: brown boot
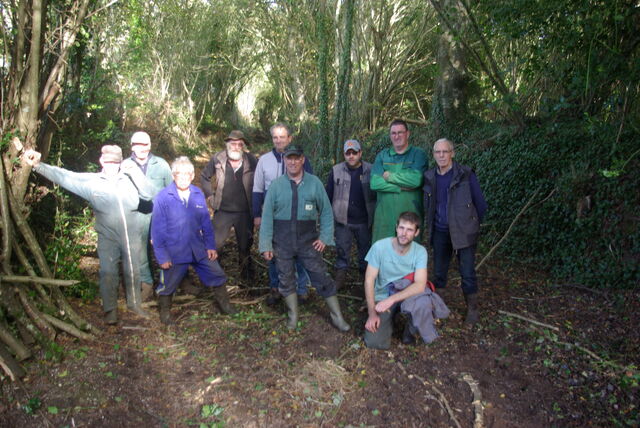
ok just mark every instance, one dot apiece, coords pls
pixel 222 298
pixel 146 291
pixel 341 276
pixel 164 302
pixel 473 315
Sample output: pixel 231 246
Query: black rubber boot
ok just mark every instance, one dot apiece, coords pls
pixel 336 315
pixel 164 302
pixel 408 338
pixel 292 305
pixel 222 298
pixel 473 314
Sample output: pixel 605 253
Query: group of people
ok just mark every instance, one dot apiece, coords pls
pixel 297 217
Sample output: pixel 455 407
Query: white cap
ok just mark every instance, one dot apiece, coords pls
pixel 140 137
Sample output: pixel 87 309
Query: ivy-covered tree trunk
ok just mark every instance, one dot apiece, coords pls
pixel 344 78
pixel 323 29
pixel 449 105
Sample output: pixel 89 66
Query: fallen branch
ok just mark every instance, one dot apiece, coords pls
pixel 39 280
pixel 516 218
pixel 21 352
pixel 582 287
pixel 478 422
pixel 10 365
pixel 541 324
pixel 68 328
pixel 442 400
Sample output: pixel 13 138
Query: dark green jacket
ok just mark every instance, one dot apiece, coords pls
pixel 292 214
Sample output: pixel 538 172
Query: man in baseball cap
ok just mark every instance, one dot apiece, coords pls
pixel 158 173
pixel 353 205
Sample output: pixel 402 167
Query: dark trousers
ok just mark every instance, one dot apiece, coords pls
pixel 302 277
pixel 242 223
pixel 312 262
pixel 344 237
pixel 442 252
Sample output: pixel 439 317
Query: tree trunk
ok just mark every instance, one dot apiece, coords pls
pixel 449 105
pixel 344 77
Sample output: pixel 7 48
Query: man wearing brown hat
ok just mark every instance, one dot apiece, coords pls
pixel 227 182
pixel 114 194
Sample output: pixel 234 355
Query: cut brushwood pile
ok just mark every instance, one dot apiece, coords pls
pixel 33 309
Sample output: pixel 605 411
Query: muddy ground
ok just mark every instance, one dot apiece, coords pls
pixel 247 370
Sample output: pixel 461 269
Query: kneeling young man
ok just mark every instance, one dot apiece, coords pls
pixel 182 235
pixel 391 259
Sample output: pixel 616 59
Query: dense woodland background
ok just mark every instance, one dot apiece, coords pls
pixel 541 97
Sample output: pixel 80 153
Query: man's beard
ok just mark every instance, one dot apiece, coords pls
pixel 233 155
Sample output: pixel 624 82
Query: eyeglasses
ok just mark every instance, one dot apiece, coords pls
pixel 441 152
pixel 351 153
pixel 398 133
pixel 294 158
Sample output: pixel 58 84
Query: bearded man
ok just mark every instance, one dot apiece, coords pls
pixel 227 182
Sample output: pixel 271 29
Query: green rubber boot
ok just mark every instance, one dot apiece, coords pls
pixel 336 314
pixel 292 304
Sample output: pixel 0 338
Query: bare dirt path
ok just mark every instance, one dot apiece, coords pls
pixel 247 370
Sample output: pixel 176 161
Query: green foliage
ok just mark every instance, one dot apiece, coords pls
pixel 66 247
pixel 582 225
pixel 32 406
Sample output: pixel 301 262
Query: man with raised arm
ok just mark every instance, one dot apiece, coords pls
pixel 114 194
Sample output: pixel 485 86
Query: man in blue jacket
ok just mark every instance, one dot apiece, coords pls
pixel 454 207
pixel 182 235
pixel 295 204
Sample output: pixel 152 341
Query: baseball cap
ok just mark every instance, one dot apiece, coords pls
pixel 352 145
pixel 140 137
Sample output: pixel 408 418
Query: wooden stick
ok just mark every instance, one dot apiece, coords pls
pixel 68 328
pixel 35 315
pixel 478 422
pixel 517 217
pixel 541 324
pixel 443 400
pixel 18 348
pixel 39 280
pixel 10 365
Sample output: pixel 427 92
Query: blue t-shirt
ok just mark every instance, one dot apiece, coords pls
pixel 393 266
